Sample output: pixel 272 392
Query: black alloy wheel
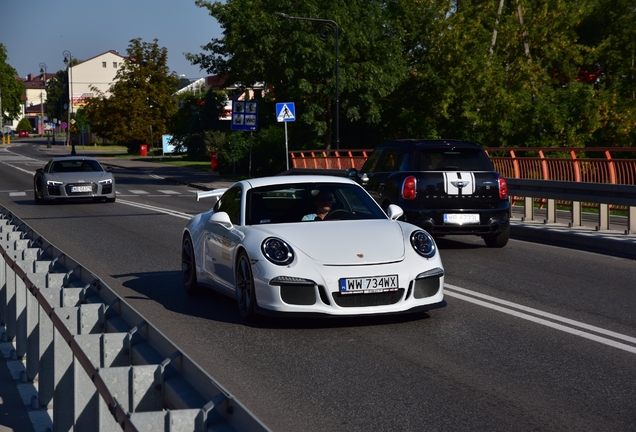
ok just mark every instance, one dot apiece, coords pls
pixel 189 268
pixel 245 293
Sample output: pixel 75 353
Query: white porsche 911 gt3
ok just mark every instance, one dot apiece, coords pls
pixel 310 245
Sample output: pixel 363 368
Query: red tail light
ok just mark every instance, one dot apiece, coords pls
pixel 503 188
pixel 409 188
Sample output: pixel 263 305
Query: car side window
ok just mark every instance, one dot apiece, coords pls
pixel 230 203
pixel 389 160
pixel 371 163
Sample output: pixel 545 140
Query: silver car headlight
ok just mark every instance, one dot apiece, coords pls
pixel 277 251
pixel 106 182
pixel 423 243
pixel 54 183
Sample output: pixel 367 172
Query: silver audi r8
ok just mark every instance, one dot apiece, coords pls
pixel 310 245
pixel 73 177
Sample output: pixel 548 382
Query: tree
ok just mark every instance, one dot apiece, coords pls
pixel 57 96
pixel 502 76
pixel 140 101
pixel 296 59
pixel 11 89
pixel 197 117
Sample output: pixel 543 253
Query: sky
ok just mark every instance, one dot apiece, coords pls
pixel 40 31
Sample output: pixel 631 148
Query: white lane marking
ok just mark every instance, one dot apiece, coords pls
pixel 17 193
pixel 20 169
pixel 157 209
pixel 137 192
pixel 545 322
pixel 169 192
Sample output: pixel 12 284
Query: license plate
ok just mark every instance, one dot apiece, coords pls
pixel 461 218
pixel 81 188
pixel 366 285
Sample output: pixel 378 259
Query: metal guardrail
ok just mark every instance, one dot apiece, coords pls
pixel 577 193
pixel 574 193
pixel 98 364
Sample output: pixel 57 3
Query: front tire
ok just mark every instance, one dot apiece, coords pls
pixel 189 268
pixel 38 198
pixel 498 240
pixel 245 293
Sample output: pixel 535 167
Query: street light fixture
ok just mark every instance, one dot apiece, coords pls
pixel 68 60
pixel 330 25
pixel 44 72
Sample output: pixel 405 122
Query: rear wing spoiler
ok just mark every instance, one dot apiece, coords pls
pixel 213 193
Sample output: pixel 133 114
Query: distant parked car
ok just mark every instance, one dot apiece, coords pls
pixel 23 133
pixel 73 177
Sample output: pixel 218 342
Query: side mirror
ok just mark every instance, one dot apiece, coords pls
pixel 109 169
pixel 221 218
pixel 352 173
pixel 39 170
pixel 394 211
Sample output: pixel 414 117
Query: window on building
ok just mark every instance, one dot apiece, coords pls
pixel 115 65
pixel 103 64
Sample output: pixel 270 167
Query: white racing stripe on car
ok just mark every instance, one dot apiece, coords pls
pixel 489 302
pixel 157 209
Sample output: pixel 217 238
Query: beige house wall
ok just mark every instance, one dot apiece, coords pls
pixel 98 72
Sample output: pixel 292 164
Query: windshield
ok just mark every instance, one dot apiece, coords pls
pixel 456 159
pixel 76 165
pixel 310 202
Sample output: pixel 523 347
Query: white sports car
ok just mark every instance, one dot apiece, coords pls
pixel 310 245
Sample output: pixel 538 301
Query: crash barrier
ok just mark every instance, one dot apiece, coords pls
pixel 97 363
pixel 555 193
pixel 548 164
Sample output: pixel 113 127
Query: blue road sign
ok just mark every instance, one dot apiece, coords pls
pixel 285 112
pixel 244 115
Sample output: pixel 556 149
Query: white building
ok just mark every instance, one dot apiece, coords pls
pixel 98 72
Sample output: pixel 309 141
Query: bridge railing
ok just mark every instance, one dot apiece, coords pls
pixel 548 164
pixel 98 364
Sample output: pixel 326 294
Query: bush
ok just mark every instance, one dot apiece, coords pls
pixel 25 124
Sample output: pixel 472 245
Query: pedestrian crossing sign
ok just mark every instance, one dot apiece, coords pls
pixel 285 112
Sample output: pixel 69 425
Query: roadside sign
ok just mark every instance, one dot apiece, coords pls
pixel 63 125
pixel 285 112
pixel 244 115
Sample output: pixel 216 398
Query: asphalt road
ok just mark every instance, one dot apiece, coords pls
pixel 534 337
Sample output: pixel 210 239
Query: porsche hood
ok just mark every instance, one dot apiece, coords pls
pixel 362 242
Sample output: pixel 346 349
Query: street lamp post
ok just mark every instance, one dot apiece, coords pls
pixel 68 60
pixel 43 71
pixel 330 24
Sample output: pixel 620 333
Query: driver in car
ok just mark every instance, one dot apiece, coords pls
pixel 323 201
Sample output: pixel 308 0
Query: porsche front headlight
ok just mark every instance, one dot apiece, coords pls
pixel 277 251
pixel 423 243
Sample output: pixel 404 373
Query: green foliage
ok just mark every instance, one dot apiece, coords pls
pixel 549 73
pixel 297 59
pixel 140 102
pixel 267 152
pixel 24 123
pixel 57 96
pixel 196 117
pixel 11 89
